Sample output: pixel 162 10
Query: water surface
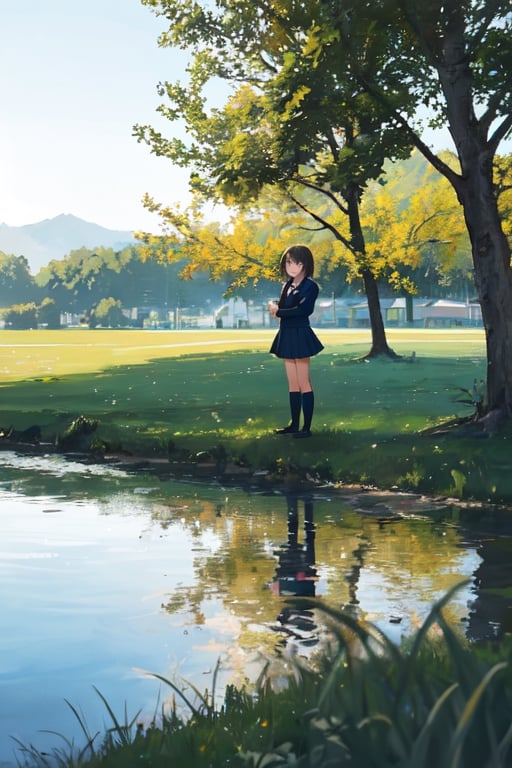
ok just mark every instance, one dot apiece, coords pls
pixel 107 576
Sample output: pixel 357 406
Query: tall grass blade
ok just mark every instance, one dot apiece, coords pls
pixel 420 747
pixel 468 713
pixel 504 745
pixel 408 666
pixel 83 725
pixel 124 731
pixel 466 666
pixel 193 709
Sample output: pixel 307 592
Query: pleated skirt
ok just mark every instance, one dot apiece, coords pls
pixel 295 343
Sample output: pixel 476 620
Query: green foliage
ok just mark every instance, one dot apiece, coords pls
pixel 48 314
pixel 291 115
pixel 107 313
pixel 359 701
pixel 16 282
pixel 21 316
pixel 459 481
pixel 30 315
pixel 78 435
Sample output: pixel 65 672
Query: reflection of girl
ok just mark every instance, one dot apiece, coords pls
pixel 295 341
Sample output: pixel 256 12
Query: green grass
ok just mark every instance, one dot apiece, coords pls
pixel 194 395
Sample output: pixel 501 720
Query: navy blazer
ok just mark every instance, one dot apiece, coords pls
pixel 296 307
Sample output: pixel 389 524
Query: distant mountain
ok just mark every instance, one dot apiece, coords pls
pixel 54 238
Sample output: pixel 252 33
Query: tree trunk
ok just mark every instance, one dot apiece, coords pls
pixel 476 193
pixel 493 279
pixel 379 342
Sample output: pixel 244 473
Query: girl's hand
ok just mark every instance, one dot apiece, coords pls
pixel 272 308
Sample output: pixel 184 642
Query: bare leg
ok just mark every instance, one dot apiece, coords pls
pixel 297 372
pixel 302 368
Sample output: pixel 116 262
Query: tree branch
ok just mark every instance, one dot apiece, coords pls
pixel 325 224
pixel 327 192
pixel 500 133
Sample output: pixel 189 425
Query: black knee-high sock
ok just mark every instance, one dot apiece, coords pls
pixel 295 405
pixel 308 406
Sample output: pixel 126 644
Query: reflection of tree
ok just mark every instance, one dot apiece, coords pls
pixel 354 574
pixel 492 606
pixel 336 550
pixel 231 566
pixel 491 610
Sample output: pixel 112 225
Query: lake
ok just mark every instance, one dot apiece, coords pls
pixel 108 577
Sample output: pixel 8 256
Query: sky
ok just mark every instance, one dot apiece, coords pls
pixel 74 79
pixel 75 76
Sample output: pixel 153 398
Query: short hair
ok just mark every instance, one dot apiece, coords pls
pixel 300 254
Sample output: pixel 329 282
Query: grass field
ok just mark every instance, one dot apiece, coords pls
pixel 185 394
pixel 30 354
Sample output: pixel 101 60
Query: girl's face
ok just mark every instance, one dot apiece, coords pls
pixel 294 269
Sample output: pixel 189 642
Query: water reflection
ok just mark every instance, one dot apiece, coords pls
pixel 296 574
pixel 490 532
pixel 378 546
pixel 105 574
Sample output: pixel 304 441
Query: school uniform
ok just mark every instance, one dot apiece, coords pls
pixel 296 338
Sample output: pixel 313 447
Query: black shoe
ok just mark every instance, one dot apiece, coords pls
pixel 302 433
pixel 289 430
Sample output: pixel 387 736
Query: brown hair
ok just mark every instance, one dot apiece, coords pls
pixel 300 254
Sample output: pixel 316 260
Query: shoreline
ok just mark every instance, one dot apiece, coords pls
pixel 369 500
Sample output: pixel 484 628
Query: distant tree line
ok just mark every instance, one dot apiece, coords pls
pixel 97 285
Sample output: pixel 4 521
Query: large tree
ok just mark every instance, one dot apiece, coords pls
pixel 453 57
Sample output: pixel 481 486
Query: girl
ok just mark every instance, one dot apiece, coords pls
pixel 295 341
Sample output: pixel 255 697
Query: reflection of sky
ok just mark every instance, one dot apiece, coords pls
pixel 81 607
